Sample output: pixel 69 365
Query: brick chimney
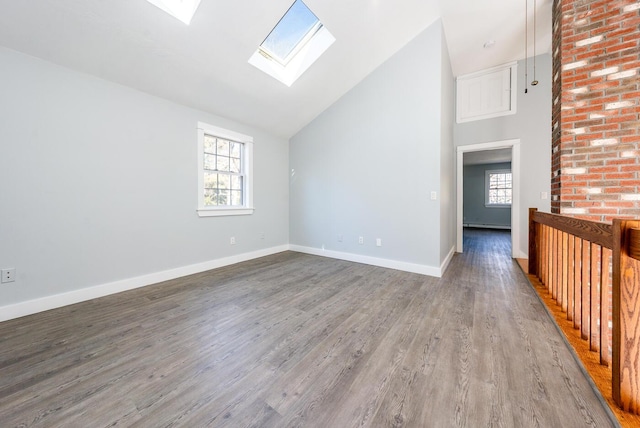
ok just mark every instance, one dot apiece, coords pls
pixel 596 109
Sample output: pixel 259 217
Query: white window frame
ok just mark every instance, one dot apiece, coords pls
pixel 247 207
pixel 288 70
pixel 487 181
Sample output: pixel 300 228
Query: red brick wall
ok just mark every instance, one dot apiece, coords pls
pixel 596 110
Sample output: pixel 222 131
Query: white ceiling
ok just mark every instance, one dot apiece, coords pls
pixel 486 157
pixel 205 66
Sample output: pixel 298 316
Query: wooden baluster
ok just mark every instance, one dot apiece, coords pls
pixel 540 241
pixel 594 310
pixel 551 257
pixel 545 257
pixel 533 241
pixel 570 279
pixel 541 253
pixel 577 276
pixel 586 294
pixel 554 274
pixel 557 277
pixel 564 268
pixel 605 287
pixel 626 317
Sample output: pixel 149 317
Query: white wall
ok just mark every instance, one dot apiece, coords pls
pixel 532 125
pixel 447 165
pixel 366 166
pixel 98 183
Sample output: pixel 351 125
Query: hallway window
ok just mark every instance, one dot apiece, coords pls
pixel 498 188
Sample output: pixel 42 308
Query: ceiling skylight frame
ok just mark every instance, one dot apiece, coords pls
pixel 306 51
pixel 179 9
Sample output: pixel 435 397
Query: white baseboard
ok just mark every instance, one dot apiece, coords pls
pixel 29 307
pixel 518 254
pixel 487 226
pixel 374 261
pixel 447 260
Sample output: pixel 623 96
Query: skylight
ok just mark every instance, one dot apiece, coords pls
pixel 295 28
pixel 296 42
pixel 181 9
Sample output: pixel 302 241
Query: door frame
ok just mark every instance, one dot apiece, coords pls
pixel 514 145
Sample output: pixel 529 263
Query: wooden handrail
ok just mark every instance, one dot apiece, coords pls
pixel 634 243
pixel 573 259
pixel 598 233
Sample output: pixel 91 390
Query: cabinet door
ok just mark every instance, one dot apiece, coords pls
pixel 486 94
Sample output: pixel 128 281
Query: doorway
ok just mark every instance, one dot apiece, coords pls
pixel 491 148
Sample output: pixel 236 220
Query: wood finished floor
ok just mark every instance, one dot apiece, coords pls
pixel 299 340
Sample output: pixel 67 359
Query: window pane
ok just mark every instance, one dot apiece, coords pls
pixel 209 197
pixel 224 181
pixel 210 180
pixel 210 162
pixel 235 150
pixel 223 197
pixel 223 147
pixel 236 182
pixel 236 197
pixel 223 163
pixel 235 165
pixel 209 144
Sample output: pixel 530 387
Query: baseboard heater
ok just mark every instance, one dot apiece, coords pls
pixel 488 226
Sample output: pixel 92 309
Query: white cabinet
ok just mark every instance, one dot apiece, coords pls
pixel 486 94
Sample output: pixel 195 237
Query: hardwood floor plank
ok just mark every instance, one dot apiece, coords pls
pixel 299 340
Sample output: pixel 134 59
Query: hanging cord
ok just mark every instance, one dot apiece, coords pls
pixel 526 46
pixel 535 82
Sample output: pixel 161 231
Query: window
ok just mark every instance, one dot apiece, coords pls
pixel 296 42
pixel 498 188
pixel 225 172
pixel 295 28
pixel 180 9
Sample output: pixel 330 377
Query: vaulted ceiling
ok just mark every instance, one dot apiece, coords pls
pixel 204 65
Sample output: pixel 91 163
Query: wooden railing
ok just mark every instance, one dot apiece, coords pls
pixel 592 272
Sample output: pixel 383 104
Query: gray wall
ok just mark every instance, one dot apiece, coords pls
pixel 532 125
pixel 474 211
pixel 98 183
pixel 366 166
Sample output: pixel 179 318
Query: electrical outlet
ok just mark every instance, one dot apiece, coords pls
pixel 544 195
pixel 262 235
pixel 339 238
pixel 361 240
pixel 378 242
pixel 8 275
pixel 434 196
pixel 232 241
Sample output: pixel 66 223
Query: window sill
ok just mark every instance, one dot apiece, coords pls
pixel 497 205
pixel 219 212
